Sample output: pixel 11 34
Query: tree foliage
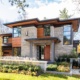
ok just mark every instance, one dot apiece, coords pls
pixel 64 14
pixel 21 5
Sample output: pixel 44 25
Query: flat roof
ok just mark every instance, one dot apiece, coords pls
pixel 36 22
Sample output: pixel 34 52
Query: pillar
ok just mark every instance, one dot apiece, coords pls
pixel 52 53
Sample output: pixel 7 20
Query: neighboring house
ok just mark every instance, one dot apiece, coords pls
pixel 43 40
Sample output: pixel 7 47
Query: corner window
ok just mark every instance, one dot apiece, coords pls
pixel 17 32
pixel 67 35
pixel 47 30
pixel 5 39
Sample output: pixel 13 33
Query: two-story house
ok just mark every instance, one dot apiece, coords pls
pixel 42 40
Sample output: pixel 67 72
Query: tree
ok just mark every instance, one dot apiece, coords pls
pixel 64 14
pixel 21 5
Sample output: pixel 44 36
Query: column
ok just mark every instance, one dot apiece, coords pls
pixel 52 53
pixel 31 49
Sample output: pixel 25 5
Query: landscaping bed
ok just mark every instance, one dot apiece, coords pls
pixel 27 69
pixel 60 67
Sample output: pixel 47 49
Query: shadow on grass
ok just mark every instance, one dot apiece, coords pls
pixel 54 75
pixel 76 76
pixel 5 79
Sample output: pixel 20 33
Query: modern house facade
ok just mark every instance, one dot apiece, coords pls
pixel 41 40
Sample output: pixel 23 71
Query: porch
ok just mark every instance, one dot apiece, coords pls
pixel 43 48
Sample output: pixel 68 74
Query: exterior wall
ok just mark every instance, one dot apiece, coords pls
pixel 52 31
pixel 25 45
pixel 10 40
pixel 59 47
pixel 7 52
pixel 16 42
pixel 40 32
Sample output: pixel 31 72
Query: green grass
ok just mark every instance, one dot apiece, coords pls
pixel 12 76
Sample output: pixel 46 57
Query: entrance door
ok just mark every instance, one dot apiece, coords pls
pixel 40 52
pixel 43 52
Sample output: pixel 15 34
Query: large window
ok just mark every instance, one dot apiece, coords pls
pixel 67 35
pixel 47 30
pixel 5 39
pixel 17 51
pixel 17 32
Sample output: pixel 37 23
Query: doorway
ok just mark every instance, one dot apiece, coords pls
pixel 43 52
pixel 40 52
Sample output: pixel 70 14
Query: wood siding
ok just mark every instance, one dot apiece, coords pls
pixel 7 52
pixel 10 40
pixel 40 33
pixel 16 42
pixel 47 52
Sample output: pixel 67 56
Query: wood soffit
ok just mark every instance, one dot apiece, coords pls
pixel 56 22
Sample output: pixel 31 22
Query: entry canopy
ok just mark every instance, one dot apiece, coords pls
pixel 55 39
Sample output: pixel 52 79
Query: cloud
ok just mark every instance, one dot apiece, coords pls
pixel 51 10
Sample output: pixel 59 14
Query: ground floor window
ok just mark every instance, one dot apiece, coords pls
pixel 17 51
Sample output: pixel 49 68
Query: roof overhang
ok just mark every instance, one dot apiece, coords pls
pixel 6 34
pixel 55 39
pixel 56 22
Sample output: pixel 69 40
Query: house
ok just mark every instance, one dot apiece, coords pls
pixel 42 40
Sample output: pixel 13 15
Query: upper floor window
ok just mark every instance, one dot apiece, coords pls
pixel 5 39
pixel 47 30
pixel 67 35
pixel 17 32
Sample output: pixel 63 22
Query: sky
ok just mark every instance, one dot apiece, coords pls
pixel 38 9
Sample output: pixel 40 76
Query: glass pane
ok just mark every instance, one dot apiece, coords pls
pixel 67 28
pixel 5 41
pixel 67 40
pixel 15 30
pixel 15 35
pixel 67 33
pixel 47 31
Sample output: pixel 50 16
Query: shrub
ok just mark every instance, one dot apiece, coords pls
pixel 23 72
pixel 52 67
pixel 64 63
pixel 15 71
pixel 5 70
pixel 6 66
pixel 21 67
pixel 9 70
pixel 62 68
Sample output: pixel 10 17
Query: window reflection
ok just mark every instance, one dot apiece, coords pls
pixel 67 35
pixel 17 32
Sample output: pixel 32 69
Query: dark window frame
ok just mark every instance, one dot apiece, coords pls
pixel 17 33
pixel 5 39
pixel 46 33
pixel 68 35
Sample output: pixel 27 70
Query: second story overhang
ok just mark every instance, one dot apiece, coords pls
pixel 56 22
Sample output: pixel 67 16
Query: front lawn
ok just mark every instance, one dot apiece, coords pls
pixel 13 76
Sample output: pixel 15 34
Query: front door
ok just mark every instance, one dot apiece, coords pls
pixel 43 52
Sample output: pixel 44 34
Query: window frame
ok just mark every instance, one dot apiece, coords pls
pixel 5 39
pixel 68 35
pixel 17 33
pixel 46 27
